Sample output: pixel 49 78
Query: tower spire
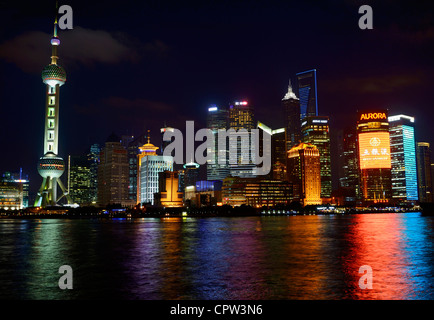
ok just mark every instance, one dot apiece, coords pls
pixel 290 94
pixel 55 41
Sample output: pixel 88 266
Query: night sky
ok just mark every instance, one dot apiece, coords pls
pixel 133 65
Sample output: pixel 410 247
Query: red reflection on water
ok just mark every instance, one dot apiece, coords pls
pixel 377 241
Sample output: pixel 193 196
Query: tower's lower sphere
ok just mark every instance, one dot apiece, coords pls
pixel 51 165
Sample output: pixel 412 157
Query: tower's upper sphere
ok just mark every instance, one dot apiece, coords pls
pixel 51 165
pixel 53 74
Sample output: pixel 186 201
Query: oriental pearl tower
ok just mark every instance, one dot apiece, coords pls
pixel 51 166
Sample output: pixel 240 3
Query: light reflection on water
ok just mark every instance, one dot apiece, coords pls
pixel 295 257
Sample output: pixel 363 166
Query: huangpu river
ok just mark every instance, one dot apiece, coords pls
pixel 232 258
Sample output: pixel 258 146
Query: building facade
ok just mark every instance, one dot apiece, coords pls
pixel 168 194
pixel 79 179
pixel 424 172
pixel 292 124
pixel 23 179
pixel 217 119
pixel 113 174
pixel 241 120
pixel 349 154
pixel 149 166
pixel 403 158
pixel 255 192
pixel 276 149
pixel 374 157
pixel 307 93
pixel 11 195
pixel 305 174
pixel 315 130
pixel 93 157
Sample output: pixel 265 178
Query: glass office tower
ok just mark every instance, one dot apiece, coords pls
pixel 307 93
pixel 403 158
pixel 217 119
pixel 315 130
pixel 424 172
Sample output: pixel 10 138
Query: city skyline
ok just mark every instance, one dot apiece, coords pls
pixel 105 95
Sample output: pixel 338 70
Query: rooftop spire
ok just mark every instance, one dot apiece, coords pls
pixel 290 94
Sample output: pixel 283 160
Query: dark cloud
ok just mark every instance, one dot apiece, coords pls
pixel 78 46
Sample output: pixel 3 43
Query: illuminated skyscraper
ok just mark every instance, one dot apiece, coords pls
pixel 149 164
pixel 277 151
pixel 217 119
pixel 191 174
pixel 424 172
pixel 79 179
pixel 113 173
pixel 315 130
pixel 307 92
pixel 168 194
pixel 304 174
pixel 23 185
pixel 403 158
pixel 93 157
pixel 241 119
pixel 11 195
pixel 350 163
pixel 291 108
pixel 374 156
pixel 51 166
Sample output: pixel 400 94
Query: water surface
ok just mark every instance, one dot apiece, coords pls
pixel 279 257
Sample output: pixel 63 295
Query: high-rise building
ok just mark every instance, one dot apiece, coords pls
pixel 11 195
pixel 424 172
pixel 374 156
pixel 22 179
pixel 79 179
pixel 277 151
pixel 93 157
pixel 168 194
pixel 403 158
pixel 291 108
pixel 315 130
pixel 256 192
pixel 149 164
pixel 241 119
pixel 349 155
pixel 113 173
pixel 51 166
pixel 132 151
pixel 217 119
pixel 191 174
pixel 307 92
pixel 304 174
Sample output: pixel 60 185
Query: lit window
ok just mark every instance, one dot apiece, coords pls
pixel 51 112
pixel 51 100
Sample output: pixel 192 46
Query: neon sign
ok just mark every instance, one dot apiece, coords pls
pixel 373 116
